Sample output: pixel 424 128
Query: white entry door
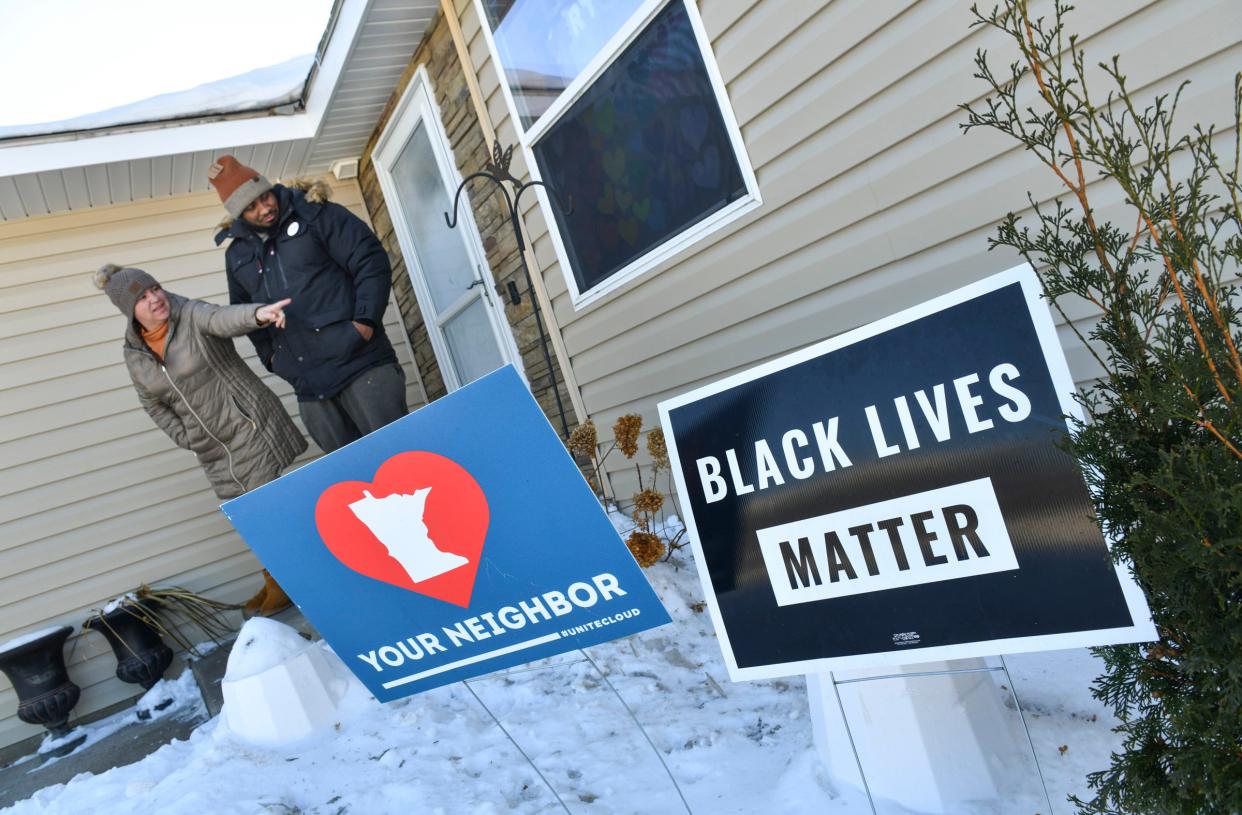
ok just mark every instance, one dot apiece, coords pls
pixel 448 267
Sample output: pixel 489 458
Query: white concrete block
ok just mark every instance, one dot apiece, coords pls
pixel 279 688
pixel 933 744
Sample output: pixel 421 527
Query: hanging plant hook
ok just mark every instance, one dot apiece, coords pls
pixel 566 208
pixel 497 171
pixel 452 222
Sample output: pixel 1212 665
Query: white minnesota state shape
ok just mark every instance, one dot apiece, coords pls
pixel 397 522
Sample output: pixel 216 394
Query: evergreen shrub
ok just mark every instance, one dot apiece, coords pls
pixel 1151 293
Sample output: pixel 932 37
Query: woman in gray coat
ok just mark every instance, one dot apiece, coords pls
pixel 191 381
pixel 193 384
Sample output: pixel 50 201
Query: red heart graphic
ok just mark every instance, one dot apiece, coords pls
pixel 419 525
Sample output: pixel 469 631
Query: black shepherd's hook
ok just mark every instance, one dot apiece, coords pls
pixel 552 195
pixel 512 204
pixel 452 222
pixel 497 171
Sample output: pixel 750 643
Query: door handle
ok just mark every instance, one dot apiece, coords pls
pixel 478 281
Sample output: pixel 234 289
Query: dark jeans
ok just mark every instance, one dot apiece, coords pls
pixel 371 400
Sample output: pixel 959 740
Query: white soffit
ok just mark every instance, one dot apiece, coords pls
pixel 369 49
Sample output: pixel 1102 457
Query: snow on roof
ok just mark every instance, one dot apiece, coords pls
pixel 260 89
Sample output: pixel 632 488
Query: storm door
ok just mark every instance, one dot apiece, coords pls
pixel 452 281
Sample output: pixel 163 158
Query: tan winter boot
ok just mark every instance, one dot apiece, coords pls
pixel 251 607
pixel 274 597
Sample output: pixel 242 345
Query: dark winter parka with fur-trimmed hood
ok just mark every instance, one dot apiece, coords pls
pixel 209 401
pixel 335 270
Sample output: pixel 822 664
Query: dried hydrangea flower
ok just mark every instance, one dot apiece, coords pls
pixel 648 502
pixel 657 449
pixel 583 441
pixel 646 548
pixel 626 431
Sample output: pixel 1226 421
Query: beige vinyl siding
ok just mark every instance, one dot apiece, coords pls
pixel 94 498
pixel 873 199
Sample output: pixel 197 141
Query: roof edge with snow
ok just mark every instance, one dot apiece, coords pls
pixel 281 102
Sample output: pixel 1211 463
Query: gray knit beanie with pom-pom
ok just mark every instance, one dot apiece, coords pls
pixel 124 286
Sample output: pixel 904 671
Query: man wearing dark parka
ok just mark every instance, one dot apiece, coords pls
pixel 292 242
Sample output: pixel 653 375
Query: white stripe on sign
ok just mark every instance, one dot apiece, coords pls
pixel 461 663
pixel 942 534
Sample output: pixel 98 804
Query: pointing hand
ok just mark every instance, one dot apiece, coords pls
pixel 272 313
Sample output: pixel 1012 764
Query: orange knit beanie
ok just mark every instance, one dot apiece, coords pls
pixel 236 184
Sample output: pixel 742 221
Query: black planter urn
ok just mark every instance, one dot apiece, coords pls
pixel 141 656
pixel 36 667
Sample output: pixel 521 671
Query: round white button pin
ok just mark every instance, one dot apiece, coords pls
pixel 293 229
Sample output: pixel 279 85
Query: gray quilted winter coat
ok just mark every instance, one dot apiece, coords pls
pixel 209 401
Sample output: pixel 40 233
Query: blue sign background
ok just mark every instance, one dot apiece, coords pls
pixel 546 531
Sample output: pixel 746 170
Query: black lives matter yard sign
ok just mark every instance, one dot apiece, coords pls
pixel 898 494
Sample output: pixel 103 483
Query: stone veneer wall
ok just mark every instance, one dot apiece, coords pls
pixel 471 154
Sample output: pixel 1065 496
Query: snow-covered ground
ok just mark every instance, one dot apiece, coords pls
pixel 559 731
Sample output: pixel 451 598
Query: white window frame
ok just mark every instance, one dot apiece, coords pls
pixel 594 69
pixel 397 131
